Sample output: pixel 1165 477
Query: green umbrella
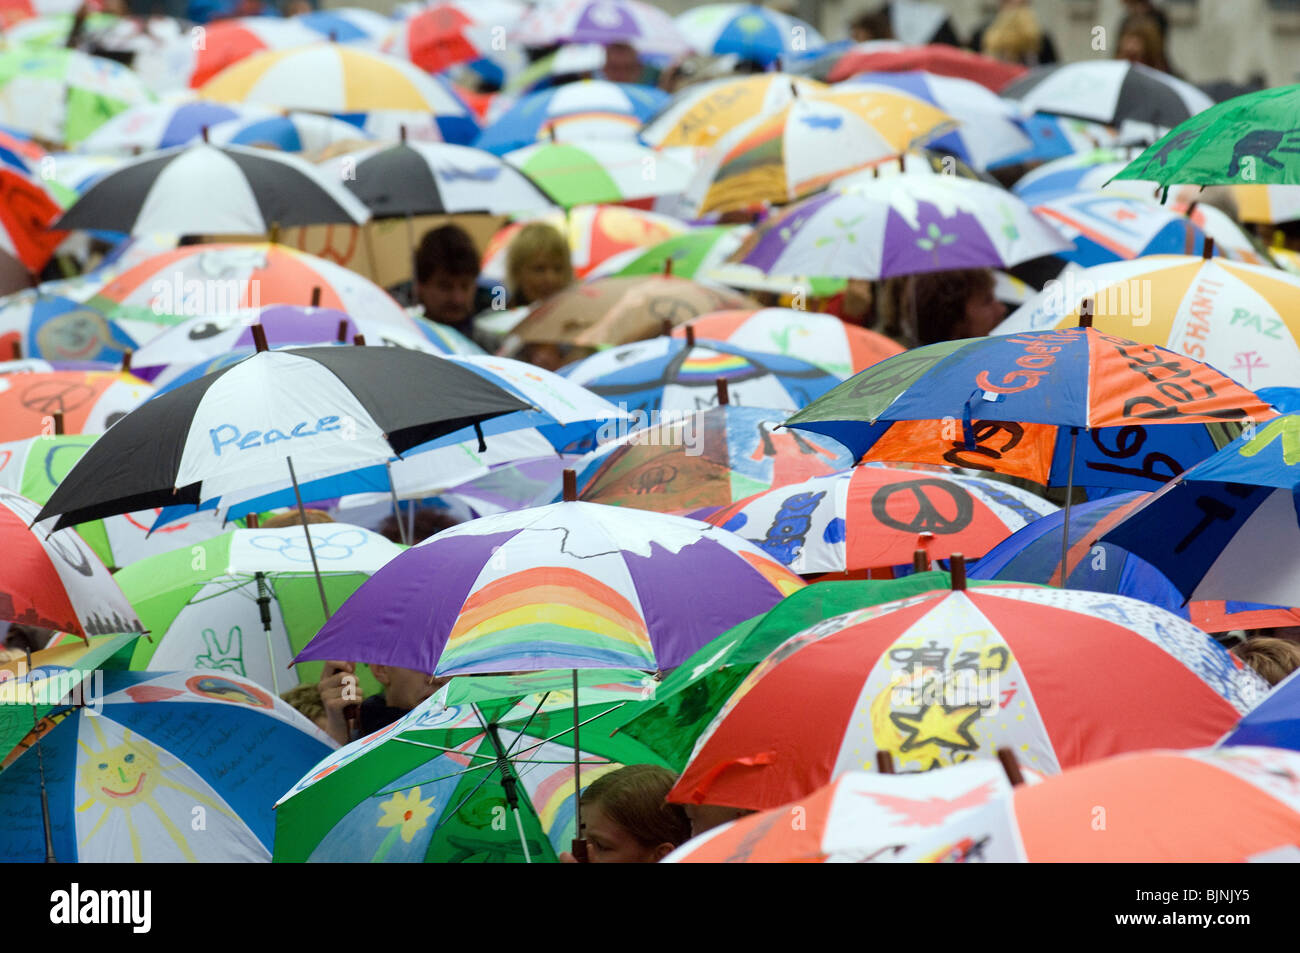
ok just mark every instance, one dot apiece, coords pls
pixel 1251 139
pixel 688 699
pixel 238 600
pixel 483 771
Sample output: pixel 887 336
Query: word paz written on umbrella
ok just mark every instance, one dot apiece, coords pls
pixel 228 435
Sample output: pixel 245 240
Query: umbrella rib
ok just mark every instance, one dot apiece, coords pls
pixel 519 737
pixel 569 731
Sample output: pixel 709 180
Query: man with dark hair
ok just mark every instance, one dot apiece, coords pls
pixel 955 304
pixel 446 277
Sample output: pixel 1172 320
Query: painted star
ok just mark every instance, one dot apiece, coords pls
pixel 942 724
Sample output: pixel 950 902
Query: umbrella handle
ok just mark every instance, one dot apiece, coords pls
pixel 579 850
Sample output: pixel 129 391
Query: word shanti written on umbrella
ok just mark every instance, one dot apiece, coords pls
pixel 224 435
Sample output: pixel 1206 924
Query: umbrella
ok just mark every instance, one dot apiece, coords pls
pixel 341 80
pixel 1228 527
pixel 441 35
pixel 988 132
pixel 691 254
pixel 166 755
pixel 790 153
pixel 34 467
pixel 938 58
pixel 64 95
pixel 366 28
pixel 944 678
pixel 1243 140
pixel 859 818
pixel 1108 91
pixel 702 113
pixel 89 402
pixel 171 191
pixel 1238 317
pixel 179 62
pixel 896 225
pixel 703 460
pixel 428 178
pixel 1087 171
pixel 874 517
pixel 1033 554
pixel 481 772
pixel 1106 228
pixel 911 162
pixel 293 132
pixel 54 29
pixel 667 375
pixel 1055 137
pixel 27 216
pixel 19 152
pixel 565 586
pixel 617 310
pixel 835 346
pixel 245 601
pixel 151 126
pixel 330 407
pixel 53 580
pixel 747 30
pixel 589 109
pixel 595 234
pixel 640 25
pixel 592 172
pixel 1271 723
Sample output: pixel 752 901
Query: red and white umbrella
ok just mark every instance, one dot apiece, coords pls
pixel 1061 677
pixel 185 62
pixel 54 580
pixel 442 35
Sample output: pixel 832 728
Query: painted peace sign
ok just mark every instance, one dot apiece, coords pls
pixel 55 396
pixel 923 502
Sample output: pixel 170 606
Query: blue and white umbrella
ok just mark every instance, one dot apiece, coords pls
pixel 150 126
pixel 1084 172
pixel 1107 228
pixel 747 30
pixel 348 25
pixel 1052 137
pixel 294 132
pixel 590 109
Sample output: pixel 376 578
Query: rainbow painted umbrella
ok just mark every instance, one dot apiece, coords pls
pixel 1033 554
pixel 588 109
pixel 481 772
pixel 707 459
pixel 1228 527
pixel 62 96
pixel 167 767
pixel 947 677
pixel 570 585
pixel 702 113
pixel 873 517
pixel 1240 318
pixel 835 346
pixel 747 30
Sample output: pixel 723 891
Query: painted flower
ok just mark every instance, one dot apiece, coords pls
pixel 405 810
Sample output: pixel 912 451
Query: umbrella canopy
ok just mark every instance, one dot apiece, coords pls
pixel 90 402
pixel 19 152
pixel 27 217
pixel 125 781
pixel 691 254
pixel 702 113
pixel 664 374
pixel 1237 519
pixel 366 28
pixel 990 404
pixel 589 173
pixel 642 26
pixel 293 132
pixel 53 580
pixel 151 126
pixel 336 79
pixel 835 346
pixel 331 407
pixel 171 191
pixel 436 178
pixel 1272 723
pixel 570 585
pixel 1055 137
pixel 938 58
pixel 944 678
pixel 203 604
pixel 1244 140
pixel 429 787
pixel 873 517
pixel 1033 554
pixel 441 35
pixel 988 132
pixel 1108 91
pixel 703 460
pixel 1105 228
pixel 790 153
pixel 611 311
pixel 595 233
pixel 62 96
pixel 747 30
pixel 896 225
pixel 588 109
pixel 33 468
pixel 180 63
pixel 1087 171
pixel 1240 318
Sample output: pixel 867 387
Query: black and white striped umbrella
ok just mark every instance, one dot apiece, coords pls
pixel 324 408
pixel 204 189
pixel 1108 91
pixel 432 178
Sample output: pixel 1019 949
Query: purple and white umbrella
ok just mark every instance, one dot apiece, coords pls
pixel 566 586
pixel 640 25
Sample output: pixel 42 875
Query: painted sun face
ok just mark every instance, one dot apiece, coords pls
pixel 121 773
pixel 74 335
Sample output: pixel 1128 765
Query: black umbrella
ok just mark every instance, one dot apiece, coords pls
pixel 1108 91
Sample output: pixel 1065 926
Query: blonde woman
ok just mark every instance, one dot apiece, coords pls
pixel 538 264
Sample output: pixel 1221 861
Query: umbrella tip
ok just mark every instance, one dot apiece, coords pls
pixel 690 336
pixel 58 423
pixel 1011 766
pixel 342 336
pixel 205 133
pixel 570 486
pixel 724 397
pixel 126 360
pixel 884 762
pixel 1207 250
pixel 957 562
pixel 1086 307
pixel 359 340
pixel 252 521
pixel 259 337
pixel 315 296
pixel 16 349
pixel 668 267
pixel 920 561
pixel 401 132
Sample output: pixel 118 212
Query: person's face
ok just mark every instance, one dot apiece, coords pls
pixel 610 843
pixel 705 817
pixel 622 65
pixel 984 312
pixel 543 276
pixel 1132 48
pixel 447 298
pixel 405 687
